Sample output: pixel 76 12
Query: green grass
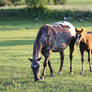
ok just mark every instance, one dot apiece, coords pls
pixel 79 2
pixel 16 45
pixel 17 36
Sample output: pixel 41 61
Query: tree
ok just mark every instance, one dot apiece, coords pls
pixel 9 2
pixel 36 3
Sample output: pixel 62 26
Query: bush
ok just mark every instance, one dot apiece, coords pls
pixel 2 3
pixel 56 2
pixel 36 3
pixel 10 2
pixel 5 2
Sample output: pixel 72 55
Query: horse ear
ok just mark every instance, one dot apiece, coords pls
pixel 76 29
pixel 82 29
pixel 39 59
pixel 30 59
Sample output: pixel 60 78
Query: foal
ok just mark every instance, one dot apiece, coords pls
pixel 84 40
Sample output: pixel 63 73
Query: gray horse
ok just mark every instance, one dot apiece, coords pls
pixel 52 38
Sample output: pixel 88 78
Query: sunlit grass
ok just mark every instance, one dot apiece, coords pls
pixel 16 45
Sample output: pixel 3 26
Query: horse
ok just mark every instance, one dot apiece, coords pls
pixel 84 40
pixel 52 38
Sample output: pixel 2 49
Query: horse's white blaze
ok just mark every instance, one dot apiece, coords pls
pixel 77 40
pixel 71 29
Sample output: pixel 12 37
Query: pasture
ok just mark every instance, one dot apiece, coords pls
pixel 17 36
pixel 16 44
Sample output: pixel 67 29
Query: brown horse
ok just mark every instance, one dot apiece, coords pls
pixel 84 40
pixel 52 38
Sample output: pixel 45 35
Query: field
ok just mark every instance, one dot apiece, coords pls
pixel 16 45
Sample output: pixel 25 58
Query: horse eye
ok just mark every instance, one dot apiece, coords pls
pixel 78 35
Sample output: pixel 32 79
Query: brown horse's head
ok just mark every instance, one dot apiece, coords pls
pixel 80 35
pixel 35 68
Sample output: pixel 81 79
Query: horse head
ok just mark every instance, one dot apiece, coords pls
pixel 80 35
pixel 35 67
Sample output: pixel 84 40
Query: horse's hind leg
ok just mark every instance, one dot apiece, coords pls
pixel 89 57
pixel 71 47
pixel 62 59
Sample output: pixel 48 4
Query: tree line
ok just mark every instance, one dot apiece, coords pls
pixel 31 3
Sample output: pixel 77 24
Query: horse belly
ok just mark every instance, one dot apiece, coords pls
pixel 61 41
pixel 59 46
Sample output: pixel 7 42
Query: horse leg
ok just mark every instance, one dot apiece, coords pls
pixel 51 69
pixel 71 47
pixel 44 65
pixel 82 60
pixel 62 59
pixel 89 57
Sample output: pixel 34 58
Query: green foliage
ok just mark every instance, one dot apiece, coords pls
pixel 11 2
pixel 5 2
pixel 50 2
pixel 56 2
pixel 36 3
pixel 2 3
pixel 43 13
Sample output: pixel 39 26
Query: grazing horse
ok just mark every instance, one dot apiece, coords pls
pixel 52 38
pixel 84 40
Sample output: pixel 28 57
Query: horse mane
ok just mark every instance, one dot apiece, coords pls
pixel 37 40
pixel 43 29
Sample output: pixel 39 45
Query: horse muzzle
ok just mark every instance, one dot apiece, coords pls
pixel 77 42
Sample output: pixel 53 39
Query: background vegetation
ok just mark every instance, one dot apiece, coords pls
pixel 18 28
pixel 72 10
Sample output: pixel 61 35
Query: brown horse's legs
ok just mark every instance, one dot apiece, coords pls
pixel 44 65
pixel 62 59
pixel 82 60
pixel 50 67
pixel 89 57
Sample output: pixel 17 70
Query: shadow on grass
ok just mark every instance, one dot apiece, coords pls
pixel 16 43
pixel 28 19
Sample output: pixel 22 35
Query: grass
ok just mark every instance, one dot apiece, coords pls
pixel 17 36
pixel 16 44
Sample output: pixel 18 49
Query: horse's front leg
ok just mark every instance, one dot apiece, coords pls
pixel 89 57
pixel 51 69
pixel 62 59
pixel 82 60
pixel 47 58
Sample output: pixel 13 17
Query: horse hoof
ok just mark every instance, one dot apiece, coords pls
pixel 82 72
pixel 71 73
pixel 51 75
pixel 59 73
pixel 42 78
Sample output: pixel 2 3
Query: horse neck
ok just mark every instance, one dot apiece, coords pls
pixel 37 50
pixel 85 37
